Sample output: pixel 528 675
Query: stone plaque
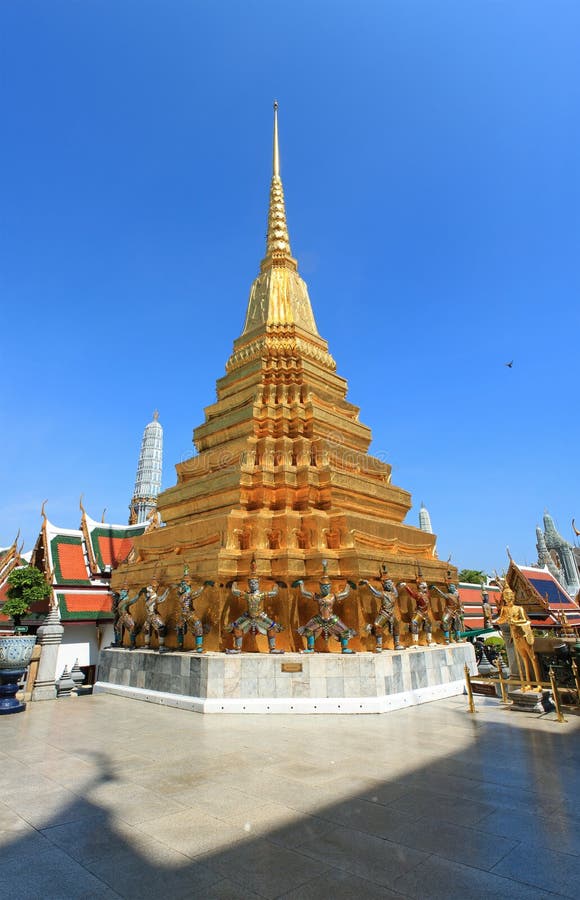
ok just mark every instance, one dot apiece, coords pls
pixel 291 667
pixel 479 687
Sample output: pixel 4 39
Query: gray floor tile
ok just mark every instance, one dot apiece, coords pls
pixel 362 854
pixel 457 810
pixel 553 832
pixel 194 832
pixel 306 828
pixel 545 869
pixel 51 808
pixel 456 842
pixel 52 875
pixel 160 802
pixel 264 868
pixel 340 886
pixel 18 843
pixel 222 804
pixel 266 819
pixel 457 786
pixel 374 818
pixel 91 838
pixel 441 879
pixel 222 890
pixel 156 872
pixel 388 791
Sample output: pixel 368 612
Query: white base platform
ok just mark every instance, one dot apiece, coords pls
pixel 293 683
pixel 296 706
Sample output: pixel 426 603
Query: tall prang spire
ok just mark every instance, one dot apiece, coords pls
pixel 563 549
pixel 544 556
pixel 425 519
pixel 278 295
pixel 149 468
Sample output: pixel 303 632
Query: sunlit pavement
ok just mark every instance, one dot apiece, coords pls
pixel 107 797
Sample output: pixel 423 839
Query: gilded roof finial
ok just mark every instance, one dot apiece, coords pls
pixel 276 150
pixel 278 252
pixel 278 295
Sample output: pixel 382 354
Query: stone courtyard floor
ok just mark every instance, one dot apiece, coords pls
pixel 107 797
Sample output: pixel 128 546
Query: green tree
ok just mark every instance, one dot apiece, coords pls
pixel 26 586
pixel 472 576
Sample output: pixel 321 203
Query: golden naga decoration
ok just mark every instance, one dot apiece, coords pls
pixel 566 627
pixel 14 545
pixel 282 471
pixel 574 529
pixel 522 637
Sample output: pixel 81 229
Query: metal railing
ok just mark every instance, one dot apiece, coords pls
pixel 550 685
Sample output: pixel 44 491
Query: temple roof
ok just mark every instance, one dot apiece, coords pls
pixel 472 600
pixel 80 605
pixel 542 596
pixel 78 562
pixel 85 555
pixel 10 558
pixel 110 544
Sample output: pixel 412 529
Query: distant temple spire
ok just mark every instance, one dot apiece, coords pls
pixel 562 551
pixel 425 520
pixel 545 559
pixel 278 296
pixel 148 480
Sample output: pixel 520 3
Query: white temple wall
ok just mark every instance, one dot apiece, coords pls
pixel 80 642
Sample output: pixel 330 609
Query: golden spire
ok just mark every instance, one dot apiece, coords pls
pixel 278 295
pixel 278 252
pixel 276 151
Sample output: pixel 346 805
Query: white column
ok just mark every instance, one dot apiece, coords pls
pixel 49 636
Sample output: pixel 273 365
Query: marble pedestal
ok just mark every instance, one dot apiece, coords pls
pixel 289 683
pixel 526 701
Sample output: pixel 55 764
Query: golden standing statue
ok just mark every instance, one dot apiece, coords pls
pixel 523 638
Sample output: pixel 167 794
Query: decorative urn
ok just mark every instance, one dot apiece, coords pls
pixel 15 654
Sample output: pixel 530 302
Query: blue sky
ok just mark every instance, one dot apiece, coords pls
pixel 430 163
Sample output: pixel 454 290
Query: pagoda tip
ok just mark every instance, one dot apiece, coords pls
pixel 276 152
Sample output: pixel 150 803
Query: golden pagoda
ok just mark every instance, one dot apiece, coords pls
pixel 281 472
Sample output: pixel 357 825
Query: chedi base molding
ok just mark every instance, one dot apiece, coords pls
pixel 293 683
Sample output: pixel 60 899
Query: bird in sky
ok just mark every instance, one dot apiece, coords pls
pixel 510 364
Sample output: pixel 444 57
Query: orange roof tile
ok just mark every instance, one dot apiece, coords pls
pixel 88 602
pixel 114 550
pixel 71 562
